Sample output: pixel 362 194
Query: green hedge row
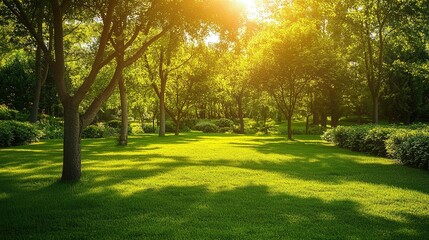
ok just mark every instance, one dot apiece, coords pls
pixel 221 125
pixel 14 133
pixel 409 145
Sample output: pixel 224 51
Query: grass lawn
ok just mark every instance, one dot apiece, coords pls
pixel 200 186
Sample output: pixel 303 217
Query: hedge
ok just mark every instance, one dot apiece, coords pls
pixel 14 133
pixel 409 145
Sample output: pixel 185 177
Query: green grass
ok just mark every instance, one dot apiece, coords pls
pixel 200 186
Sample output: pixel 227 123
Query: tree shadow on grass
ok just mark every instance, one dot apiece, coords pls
pixel 62 211
pixel 312 160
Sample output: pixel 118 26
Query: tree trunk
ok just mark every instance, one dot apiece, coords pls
pixel 153 123
pixel 123 137
pixel 307 123
pixel 289 127
pixel 316 119
pixel 323 120
pixel 240 113
pixel 162 114
pixel 265 123
pixel 334 120
pixel 176 132
pixel 38 87
pixel 72 147
pixel 375 103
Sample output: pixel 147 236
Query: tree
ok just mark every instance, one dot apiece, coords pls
pixel 112 45
pixel 286 66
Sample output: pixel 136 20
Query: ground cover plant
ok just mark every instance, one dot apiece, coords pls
pixel 210 186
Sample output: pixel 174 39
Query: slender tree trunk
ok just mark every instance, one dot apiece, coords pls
pixel 162 114
pixel 176 132
pixel 240 113
pixel 265 124
pixel 72 146
pixel 323 120
pixel 375 103
pixel 123 137
pixel 334 120
pixel 153 123
pixel 289 127
pixel 38 87
pixel 316 119
pixel 307 123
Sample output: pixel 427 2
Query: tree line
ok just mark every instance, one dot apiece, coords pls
pixel 316 60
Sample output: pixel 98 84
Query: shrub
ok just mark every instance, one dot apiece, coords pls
pixel 14 133
pixel 190 123
pixel 6 135
pixel 409 145
pixel 114 124
pixel 225 129
pixel 148 128
pixel 328 135
pixel 185 129
pixel 52 128
pixel 224 123
pixel 110 132
pixel 117 124
pixel 7 113
pixel 170 127
pixel 93 131
pixel 207 127
pixel 375 140
pixel 414 151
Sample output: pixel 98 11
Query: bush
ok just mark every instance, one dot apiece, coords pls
pixel 224 123
pixel 328 135
pixel 110 132
pixel 148 128
pixel 7 113
pixel 6 135
pixel 414 150
pixel 52 128
pixel 207 127
pixel 225 129
pixel 352 138
pixel 117 124
pixel 190 123
pixel 409 145
pixel 170 127
pixel 375 140
pixel 114 124
pixel 93 131
pixel 14 133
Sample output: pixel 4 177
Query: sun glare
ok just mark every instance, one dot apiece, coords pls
pixel 251 8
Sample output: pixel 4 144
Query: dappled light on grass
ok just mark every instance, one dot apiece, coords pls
pixel 213 186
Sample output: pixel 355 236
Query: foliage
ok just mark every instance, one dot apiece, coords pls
pixel 7 113
pixel 16 85
pixel 117 124
pixel 93 131
pixel 170 127
pixel 6 134
pixel 207 127
pixel 14 133
pixel 51 127
pixel 224 123
pixel 114 124
pixel 148 128
pixel 409 145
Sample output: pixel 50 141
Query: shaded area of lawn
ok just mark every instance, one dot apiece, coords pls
pixel 211 187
